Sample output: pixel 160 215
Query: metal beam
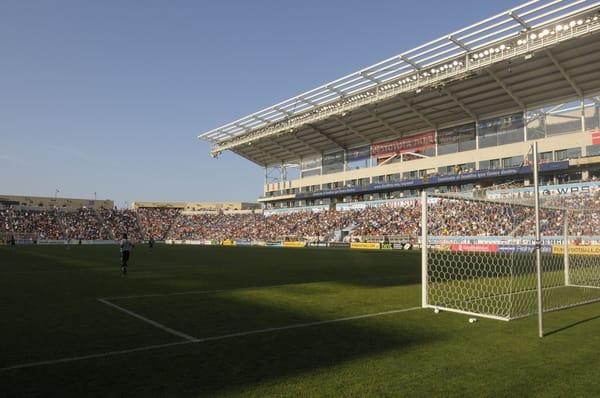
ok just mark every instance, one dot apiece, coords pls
pixel 337 91
pixel 283 111
pixel 352 129
pixel 308 144
pixel 307 101
pixel 410 62
pixel 267 153
pixel 246 129
pixel 459 43
pixel 506 89
pixel 260 118
pixel 290 151
pixel 519 20
pixel 459 103
pixel 369 77
pixel 564 73
pixel 331 140
pixel 264 157
pixel 417 112
pixel 383 122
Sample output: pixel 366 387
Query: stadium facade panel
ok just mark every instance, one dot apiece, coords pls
pixel 469 102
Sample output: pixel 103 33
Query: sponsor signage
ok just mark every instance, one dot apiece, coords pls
pixel 338 244
pixel 294 244
pixel 364 245
pixel 228 242
pixel 402 246
pixel 387 246
pixel 273 244
pixel 413 143
pixel 472 247
pixel 596 137
pixel 314 209
pixel 548 190
pixel 523 249
pixel 579 250
pixel 242 242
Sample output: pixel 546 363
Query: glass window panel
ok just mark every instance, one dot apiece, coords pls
pixel 593 150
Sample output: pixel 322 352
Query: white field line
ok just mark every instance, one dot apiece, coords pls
pixel 304 325
pixel 205 339
pixel 236 289
pixel 93 356
pixel 149 321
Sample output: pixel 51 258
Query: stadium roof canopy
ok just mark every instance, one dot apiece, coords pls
pixel 539 52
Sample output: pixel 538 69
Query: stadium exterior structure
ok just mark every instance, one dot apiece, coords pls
pixel 43 202
pixel 200 207
pixel 455 113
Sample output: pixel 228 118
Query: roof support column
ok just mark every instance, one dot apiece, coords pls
pixel 583 128
pixel 525 125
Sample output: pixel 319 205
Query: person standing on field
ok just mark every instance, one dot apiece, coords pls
pixel 126 247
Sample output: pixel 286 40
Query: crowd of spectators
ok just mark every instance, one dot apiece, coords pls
pixel 155 222
pixel 119 222
pixel 291 226
pixel 446 217
pixel 38 224
pixel 84 224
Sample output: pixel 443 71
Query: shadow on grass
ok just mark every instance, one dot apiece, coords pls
pixel 572 325
pixel 233 364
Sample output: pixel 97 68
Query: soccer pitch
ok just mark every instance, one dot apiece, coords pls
pixel 233 321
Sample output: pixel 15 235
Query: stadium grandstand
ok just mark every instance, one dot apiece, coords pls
pixel 456 114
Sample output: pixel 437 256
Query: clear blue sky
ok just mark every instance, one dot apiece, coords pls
pixel 109 96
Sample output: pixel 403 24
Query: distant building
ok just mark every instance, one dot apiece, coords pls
pixel 200 206
pixel 43 202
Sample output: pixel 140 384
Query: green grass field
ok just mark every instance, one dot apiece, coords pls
pixel 233 321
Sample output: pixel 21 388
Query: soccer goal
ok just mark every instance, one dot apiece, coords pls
pixel 479 255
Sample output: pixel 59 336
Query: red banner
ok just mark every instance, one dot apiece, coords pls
pixel 596 137
pixel 480 248
pixel 414 143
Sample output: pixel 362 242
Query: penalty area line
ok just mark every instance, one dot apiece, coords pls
pixel 304 325
pixel 149 321
pixel 206 339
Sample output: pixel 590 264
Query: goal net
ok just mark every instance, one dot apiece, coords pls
pixel 478 255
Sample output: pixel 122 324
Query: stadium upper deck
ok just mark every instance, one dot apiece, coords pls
pixel 527 73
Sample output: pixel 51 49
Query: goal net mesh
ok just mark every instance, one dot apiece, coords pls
pixel 480 255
